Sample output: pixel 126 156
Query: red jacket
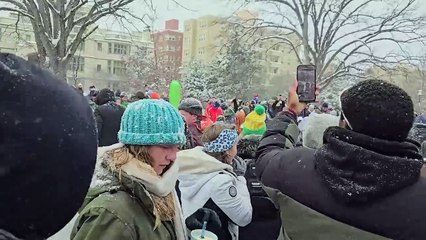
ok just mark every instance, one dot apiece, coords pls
pixel 213 113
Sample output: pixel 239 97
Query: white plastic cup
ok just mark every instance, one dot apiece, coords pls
pixel 196 235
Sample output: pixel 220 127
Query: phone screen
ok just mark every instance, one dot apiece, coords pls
pixel 306 78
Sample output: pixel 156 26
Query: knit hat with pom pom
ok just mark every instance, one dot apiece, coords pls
pixel 255 122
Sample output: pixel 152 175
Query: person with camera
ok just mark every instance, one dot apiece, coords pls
pixel 357 185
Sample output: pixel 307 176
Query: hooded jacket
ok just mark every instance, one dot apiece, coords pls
pixel 120 205
pixel 108 118
pixel 353 187
pixel 206 182
pixel 314 128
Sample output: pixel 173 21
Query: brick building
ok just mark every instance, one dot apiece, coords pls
pixel 168 48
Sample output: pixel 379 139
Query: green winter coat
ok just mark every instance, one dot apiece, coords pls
pixel 119 210
pixel 302 222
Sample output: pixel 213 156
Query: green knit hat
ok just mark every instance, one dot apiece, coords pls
pixel 255 122
pixel 151 122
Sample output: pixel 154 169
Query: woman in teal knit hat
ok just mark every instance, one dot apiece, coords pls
pixel 133 192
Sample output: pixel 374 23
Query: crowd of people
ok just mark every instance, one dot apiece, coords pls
pixel 115 166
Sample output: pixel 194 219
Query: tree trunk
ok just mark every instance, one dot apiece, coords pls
pixel 59 68
pixel 305 41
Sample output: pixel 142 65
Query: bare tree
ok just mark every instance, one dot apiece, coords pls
pixel 54 21
pixel 155 70
pixel 339 36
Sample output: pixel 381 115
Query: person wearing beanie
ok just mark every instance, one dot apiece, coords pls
pixel 207 179
pixel 192 111
pixel 255 122
pixel 132 195
pixel 363 183
pixel 154 95
pixel 214 110
pixel 47 153
pixel 139 95
pixel 108 117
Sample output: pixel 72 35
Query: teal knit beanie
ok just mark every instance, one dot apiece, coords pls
pixel 151 122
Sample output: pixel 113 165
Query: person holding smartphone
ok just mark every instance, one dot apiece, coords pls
pixel 365 181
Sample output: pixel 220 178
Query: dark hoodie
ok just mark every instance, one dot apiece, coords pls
pixel 266 220
pixel 108 117
pixel 370 184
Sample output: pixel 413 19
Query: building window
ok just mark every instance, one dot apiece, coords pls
pixel 203 24
pixel 201 51
pixel 121 49
pixel 76 64
pixel 187 28
pixel 186 52
pixel 171 48
pixel 98 67
pixel 116 67
pixel 100 47
pixel 117 48
pixel 171 38
pixel 202 37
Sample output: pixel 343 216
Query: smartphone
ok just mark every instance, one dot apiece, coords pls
pixel 307 80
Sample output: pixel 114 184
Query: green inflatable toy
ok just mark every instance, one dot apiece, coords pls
pixel 175 93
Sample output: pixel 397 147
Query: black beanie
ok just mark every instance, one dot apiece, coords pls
pixel 378 109
pixel 105 95
pixel 48 150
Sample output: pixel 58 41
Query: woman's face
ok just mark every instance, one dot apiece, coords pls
pixel 231 153
pixel 163 156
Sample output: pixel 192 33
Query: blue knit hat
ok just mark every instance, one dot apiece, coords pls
pixel 151 122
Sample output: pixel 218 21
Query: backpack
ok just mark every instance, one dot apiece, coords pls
pixel 253 184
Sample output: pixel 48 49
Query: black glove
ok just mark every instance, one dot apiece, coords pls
pixel 239 166
pixel 196 220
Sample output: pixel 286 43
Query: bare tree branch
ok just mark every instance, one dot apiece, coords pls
pixel 341 36
pixel 53 21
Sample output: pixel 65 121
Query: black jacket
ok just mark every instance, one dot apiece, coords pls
pixel 108 119
pixel 370 184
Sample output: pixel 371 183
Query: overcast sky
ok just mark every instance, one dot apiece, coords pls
pixel 168 9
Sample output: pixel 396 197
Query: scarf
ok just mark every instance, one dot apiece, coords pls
pixel 359 169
